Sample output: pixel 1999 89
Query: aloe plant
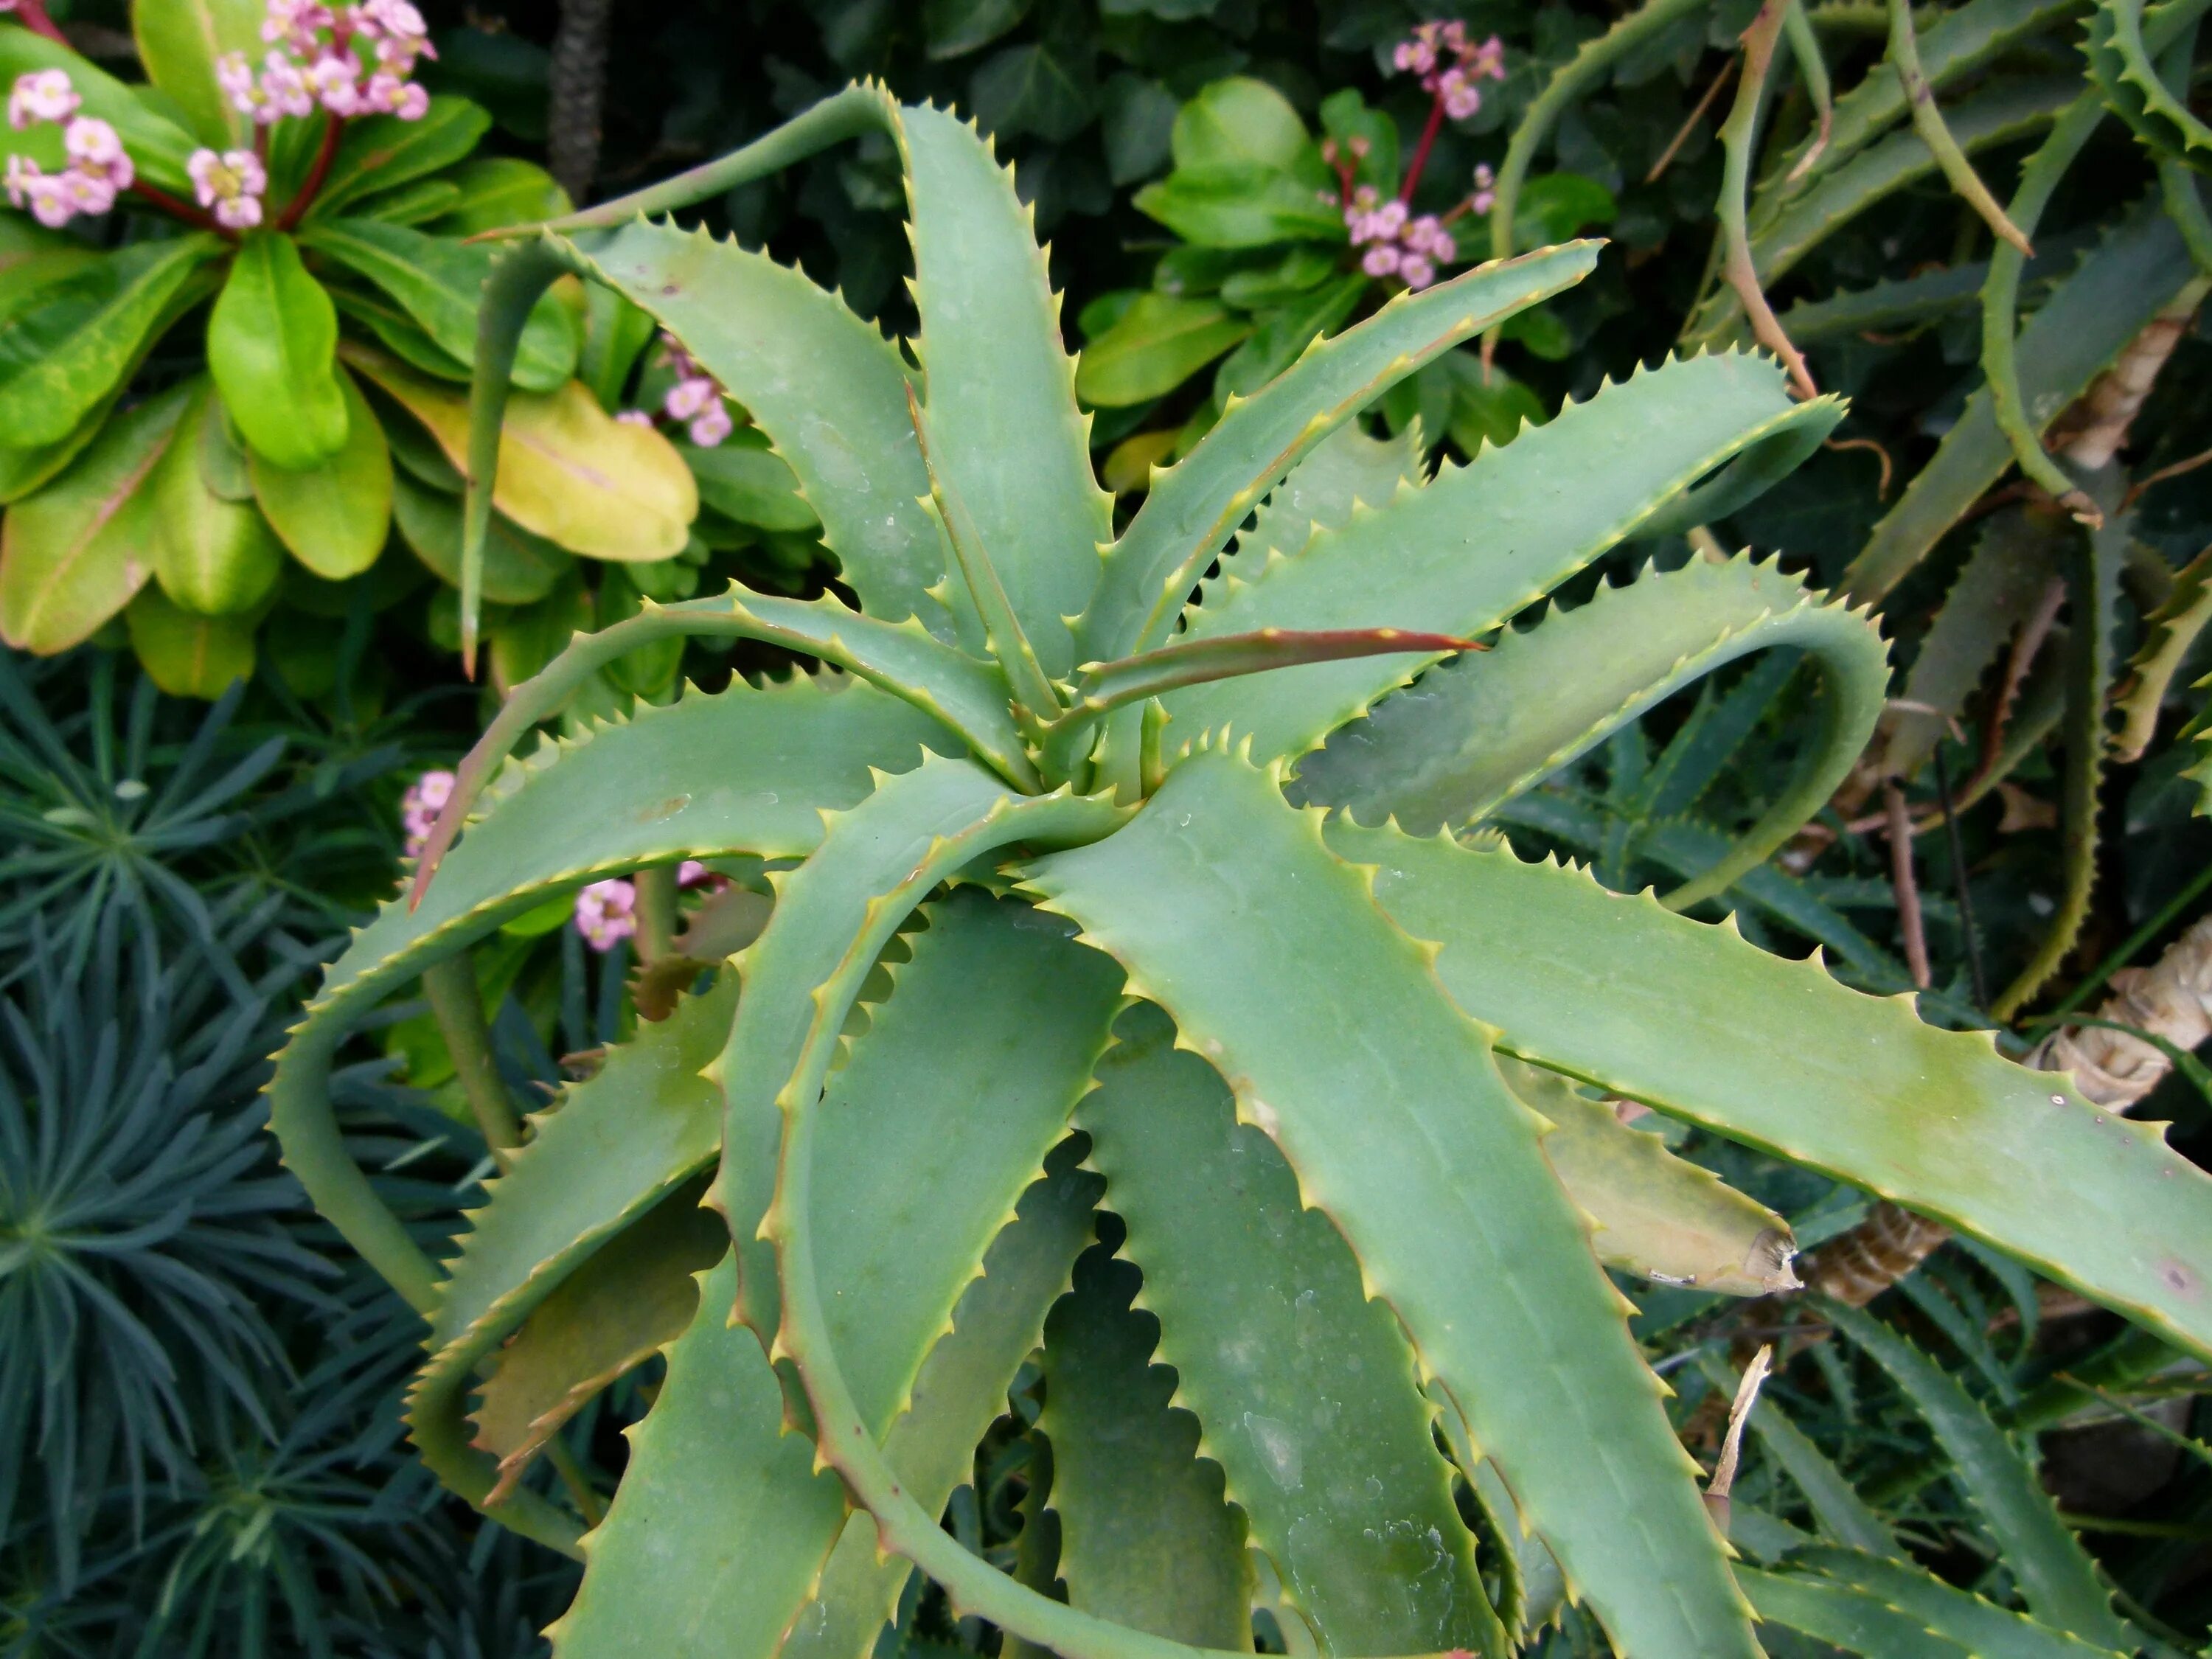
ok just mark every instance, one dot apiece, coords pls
pixel 1045 932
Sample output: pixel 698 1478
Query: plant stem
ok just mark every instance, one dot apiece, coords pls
pixel 1421 150
pixel 316 174
pixel 1737 133
pixel 1907 889
pixel 33 15
pixel 177 209
pixel 450 988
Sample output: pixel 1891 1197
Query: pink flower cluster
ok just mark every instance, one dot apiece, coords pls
pixel 606 911
pixel 229 185
pixel 1450 65
pixel 419 808
pixel 695 397
pixel 1398 243
pixel 314 60
pixel 98 166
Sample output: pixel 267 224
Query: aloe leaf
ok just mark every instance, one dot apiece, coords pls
pixel 1001 386
pixel 2169 632
pixel 1305 1389
pixel 1977 1624
pixel 2120 62
pixel 1776 1053
pixel 746 771
pixel 73 553
pixel 336 518
pixel 1844 1617
pixel 439 282
pixel 774 339
pixel 620 1145
pixel 961 1390
pixel 2086 323
pixel 1471 733
pixel 2056 1579
pixel 1145 1539
pixel 1653 1213
pixel 1437 1181
pixel 962 693
pixel 64 353
pixel 1465 553
pixel 1842 1513
pixel 1191 509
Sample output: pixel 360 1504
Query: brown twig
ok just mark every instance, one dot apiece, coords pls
pixel 1737 133
pixel 33 14
pixel 2135 490
pixel 1689 125
pixel 1888 468
pixel 2025 646
pixel 1907 888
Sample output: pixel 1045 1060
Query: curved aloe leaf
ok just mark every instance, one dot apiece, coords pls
pixel 1482 541
pixel 1305 1390
pixel 758 766
pixel 1471 733
pixel 2056 1579
pixel 1844 1617
pixel 1145 1539
pixel 1840 1511
pixel 1979 1626
pixel 1191 509
pixel 1438 1180
pixel 2120 64
pixel 1777 1054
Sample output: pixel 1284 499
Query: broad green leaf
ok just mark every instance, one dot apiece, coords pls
pixel 1038 87
pixel 1000 387
pixel 519 569
pixel 1306 1388
pixel 1194 508
pixel 1652 1213
pixel 159 147
pixel 179 42
pixel 496 191
pixel 411 204
pixel 1689 1019
pixel 956 28
pixel 773 340
pixel 212 557
pixel 1437 1181
pixel 568 470
pixel 1559 205
pixel 615 798
pixel 186 654
pixel 1238 120
pixel 616 333
pixel 1157 344
pixel 72 554
pixel 2092 317
pixel 224 464
pixel 384 151
pixel 398 334
pixel 753 485
pixel 2056 1579
pixel 72 344
pixel 1979 1626
pixel 1145 1537
pixel 1462 555
pixel 1298 273
pixel 334 517
pixel 439 281
pixel 1241 205
pixel 1844 1617
pixel 271 345
pixel 1473 732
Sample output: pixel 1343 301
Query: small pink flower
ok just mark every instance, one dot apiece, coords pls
pixel 88 193
pixel 1416 272
pixel 95 150
pixel 1462 98
pixel 297 21
pixel 387 94
pixel 691 873
pixel 22 172
pixel 634 418
pixel 419 808
pixel 1380 260
pixel 606 912
pixel 334 79
pixel 230 185
pixel 50 202
pixel 688 397
pixel 41 95
pixel 234 76
pixel 283 89
pixel 711 425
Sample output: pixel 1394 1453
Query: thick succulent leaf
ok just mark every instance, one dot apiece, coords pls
pixel 271 344
pixel 187 655
pixel 746 771
pixel 618 1146
pixel 1001 386
pixel 774 341
pixel 1654 1215
pixel 2091 317
pixel 213 556
pixel 1977 1624
pixel 1438 1180
pixel 1842 1513
pixel 1462 555
pixel 1691 1020
pixel 2056 1576
pixel 959 1392
pixel 1145 1539
pixel 1191 509
pixel 1844 1617
pixel 568 470
pixel 1306 1390
pixel 74 553
pixel 1471 733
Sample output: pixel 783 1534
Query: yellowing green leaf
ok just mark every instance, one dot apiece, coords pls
pixel 271 344
pixel 334 517
pixel 189 655
pixel 73 554
pixel 568 470
pixel 213 556
pixel 178 42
